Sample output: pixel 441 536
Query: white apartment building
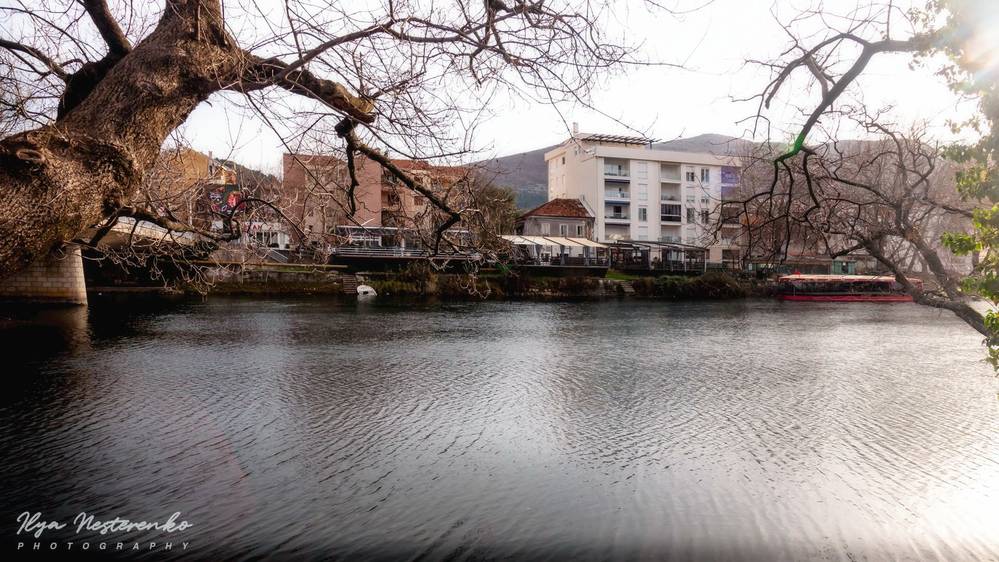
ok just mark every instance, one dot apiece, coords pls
pixel 641 194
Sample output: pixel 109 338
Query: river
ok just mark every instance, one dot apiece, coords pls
pixel 301 429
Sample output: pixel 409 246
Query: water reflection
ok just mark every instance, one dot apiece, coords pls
pixel 585 430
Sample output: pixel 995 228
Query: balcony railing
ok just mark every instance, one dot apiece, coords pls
pixel 616 194
pixel 671 239
pixel 617 216
pixel 669 218
pixel 615 170
pixel 669 197
pixel 636 264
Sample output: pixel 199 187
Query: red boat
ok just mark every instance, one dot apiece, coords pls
pixel 842 288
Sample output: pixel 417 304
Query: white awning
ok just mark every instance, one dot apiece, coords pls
pixel 551 241
pixel 565 242
pixel 588 243
pixel 518 240
pixel 539 240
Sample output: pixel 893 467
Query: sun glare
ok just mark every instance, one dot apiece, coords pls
pixel 981 46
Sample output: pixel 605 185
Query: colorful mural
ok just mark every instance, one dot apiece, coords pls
pixel 224 193
pixel 729 175
pixel 225 198
pixel 729 181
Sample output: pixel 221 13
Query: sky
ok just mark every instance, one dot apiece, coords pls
pixel 712 44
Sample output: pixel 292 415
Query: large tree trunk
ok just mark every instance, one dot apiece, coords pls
pixel 61 179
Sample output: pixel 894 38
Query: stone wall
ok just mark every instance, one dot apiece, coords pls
pixel 57 278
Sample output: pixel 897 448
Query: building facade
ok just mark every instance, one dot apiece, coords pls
pixel 641 194
pixel 386 212
pixel 566 218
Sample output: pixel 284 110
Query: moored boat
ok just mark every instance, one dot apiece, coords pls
pixel 842 288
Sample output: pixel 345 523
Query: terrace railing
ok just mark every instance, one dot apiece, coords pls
pixel 575 261
pixel 396 252
pixel 615 170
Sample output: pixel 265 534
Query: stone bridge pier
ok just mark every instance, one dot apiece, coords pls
pixel 57 278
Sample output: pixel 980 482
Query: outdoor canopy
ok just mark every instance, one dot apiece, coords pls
pixel 551 241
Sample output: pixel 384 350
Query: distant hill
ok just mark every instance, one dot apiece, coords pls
pixel 722 145
pixel 527 174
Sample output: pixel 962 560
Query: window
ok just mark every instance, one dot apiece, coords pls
pixel 704 217
pixel 705 175
pixel 690 175
pixel 690 215
pixel 546 228
pixel 643 192
pixel 579 230
pixel 563 160
pixel 643 214
pixel 642 170
pixel 563 230
pixel 704 200
pixel 690 199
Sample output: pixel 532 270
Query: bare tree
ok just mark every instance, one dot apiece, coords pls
pixel 890 196
pixel 92 90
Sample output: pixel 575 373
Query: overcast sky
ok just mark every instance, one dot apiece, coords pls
pixel 712 43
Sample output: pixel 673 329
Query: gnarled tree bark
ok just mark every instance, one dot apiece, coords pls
pixel 63 178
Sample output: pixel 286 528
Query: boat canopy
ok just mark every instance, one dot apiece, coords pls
pixel 838 278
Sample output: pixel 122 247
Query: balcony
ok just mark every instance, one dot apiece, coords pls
pixel 669 197
pixel 671 239
pixel 670 213
pixel 617 195
pixel 669 173
pixel 616 170
pixel 617 218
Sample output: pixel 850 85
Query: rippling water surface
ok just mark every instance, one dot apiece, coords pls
pixel 306 429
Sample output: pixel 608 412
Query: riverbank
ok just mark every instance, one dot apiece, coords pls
pixel 420 283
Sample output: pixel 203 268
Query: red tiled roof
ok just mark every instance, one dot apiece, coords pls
pixel 571 208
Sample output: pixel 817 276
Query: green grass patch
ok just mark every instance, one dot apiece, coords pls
pixel 620 276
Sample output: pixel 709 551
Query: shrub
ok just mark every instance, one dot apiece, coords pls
pixel 710 285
